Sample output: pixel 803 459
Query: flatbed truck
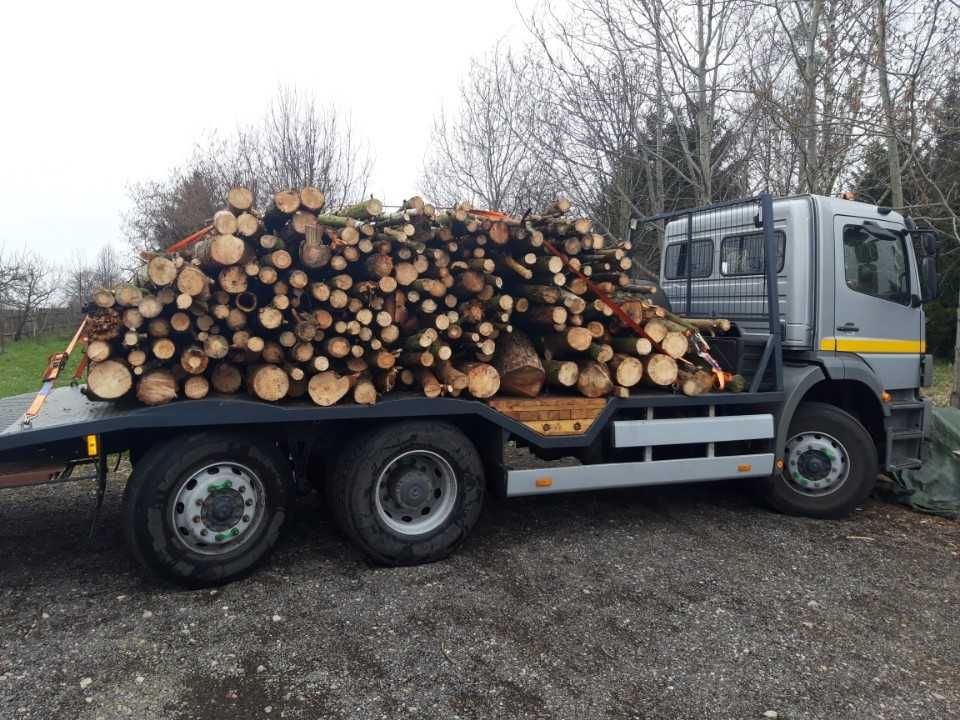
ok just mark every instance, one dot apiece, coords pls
pixel 826 296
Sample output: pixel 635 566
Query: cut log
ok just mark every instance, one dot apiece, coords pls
pixel 192 281
pixel 163 349
pixel 194 360
pixel 695 383
pixel 519 366
pixel 109 380
pixel 128 295
pixel 219 251
pixel 98 351
pixel 248 225
pixel 157 387
pixel 627 370
pixel 561 373
pixel 327 388
pixel 196 387
pixel 161 271
pixel 594 379
pixel 674 344
pixel 102 297
pixel 268 382
pixel 483 380
pixel 659 369
pixel 226 378
pixel 239 199
pixel 312 199
pixel 361 211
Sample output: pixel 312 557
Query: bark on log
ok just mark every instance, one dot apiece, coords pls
pixel 519 366
pixel 561 373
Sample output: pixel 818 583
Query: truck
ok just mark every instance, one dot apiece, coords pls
pixel 825 296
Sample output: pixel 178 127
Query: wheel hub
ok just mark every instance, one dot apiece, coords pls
pixel 816 463
pixel 218 508
pixel 416 492
pixel 222 509
pixel 412 490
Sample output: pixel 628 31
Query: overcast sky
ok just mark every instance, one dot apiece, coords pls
pixel 98 95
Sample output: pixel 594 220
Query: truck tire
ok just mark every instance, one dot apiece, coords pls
pixel 204 509
pixel 829 467
pixel 407 493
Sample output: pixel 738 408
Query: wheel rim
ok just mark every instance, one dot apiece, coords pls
pixel 817 464
pixel 218 508
pixel 416 492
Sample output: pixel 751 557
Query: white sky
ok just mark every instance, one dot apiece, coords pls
pixel 97 95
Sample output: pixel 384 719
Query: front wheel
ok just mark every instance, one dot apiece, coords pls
pixel 206 508
pixel 408 493
pixel 829 467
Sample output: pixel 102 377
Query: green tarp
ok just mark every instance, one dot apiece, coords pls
pixel 935 487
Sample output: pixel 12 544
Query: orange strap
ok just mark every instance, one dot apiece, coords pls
pixel 55 364
pixel 188 240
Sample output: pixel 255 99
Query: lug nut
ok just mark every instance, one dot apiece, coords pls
pixel 246 518
pixel 196 518
pixel 249 502
pixel 203 532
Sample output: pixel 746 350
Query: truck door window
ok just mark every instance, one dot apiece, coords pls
pixel 675 260
pixel 743 254
pixel 876 266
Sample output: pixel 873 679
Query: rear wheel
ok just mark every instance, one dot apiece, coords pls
pixel 829 467
pixel 408 493
pixel 205 509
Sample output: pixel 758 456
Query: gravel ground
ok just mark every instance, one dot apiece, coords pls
pixel 684 602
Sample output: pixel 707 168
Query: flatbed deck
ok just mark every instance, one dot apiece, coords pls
pixel 69 415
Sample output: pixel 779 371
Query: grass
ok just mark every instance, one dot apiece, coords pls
pixel 22 363
pixel 939 392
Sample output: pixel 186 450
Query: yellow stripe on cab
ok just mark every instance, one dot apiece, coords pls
pixel 872 345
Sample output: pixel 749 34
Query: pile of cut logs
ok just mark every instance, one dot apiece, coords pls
pixel 351 304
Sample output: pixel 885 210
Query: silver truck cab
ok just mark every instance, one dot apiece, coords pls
pixel 849 296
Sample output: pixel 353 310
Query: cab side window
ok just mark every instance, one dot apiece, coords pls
pixel 743 254
pixel 675 260
pixel 876 266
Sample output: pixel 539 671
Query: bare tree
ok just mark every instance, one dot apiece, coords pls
pixel 78 281
pixel 809 84
pixel 297 143
pixel 107 267
pixel 33 290
pixel 477 155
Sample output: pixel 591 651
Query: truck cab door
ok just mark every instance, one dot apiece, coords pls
pixel 877 316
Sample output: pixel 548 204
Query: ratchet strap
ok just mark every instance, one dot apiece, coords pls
pixel 55 363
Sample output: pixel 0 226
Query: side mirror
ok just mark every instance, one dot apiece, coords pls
pixel 930 279
pixel 928 241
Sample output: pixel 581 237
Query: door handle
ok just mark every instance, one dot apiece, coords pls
pixel 848 327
